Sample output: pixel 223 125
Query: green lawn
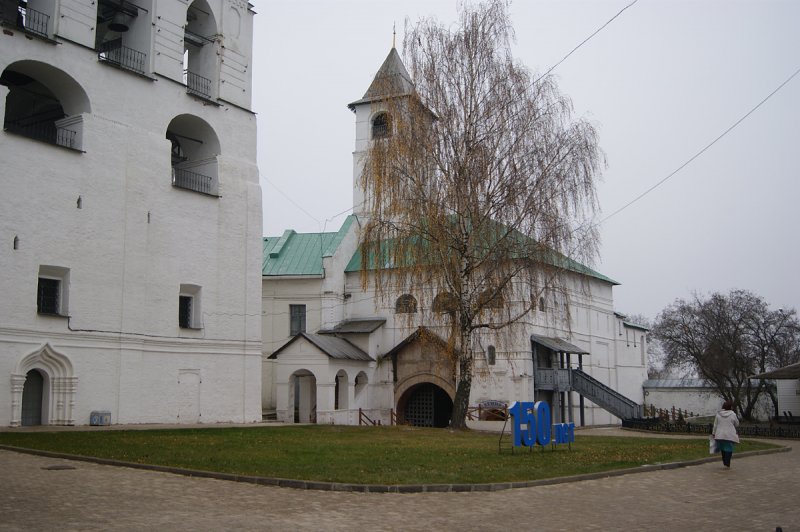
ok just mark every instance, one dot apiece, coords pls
pixel 369 455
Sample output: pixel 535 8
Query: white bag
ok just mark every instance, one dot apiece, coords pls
pixel 713 448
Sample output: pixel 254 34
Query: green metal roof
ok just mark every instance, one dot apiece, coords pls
pixel 300 253
pixel 554 258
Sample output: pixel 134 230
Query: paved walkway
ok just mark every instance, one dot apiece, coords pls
pixel 757 493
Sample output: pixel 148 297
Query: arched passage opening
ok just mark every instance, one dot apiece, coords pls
pixel 303 396
pixel 425 405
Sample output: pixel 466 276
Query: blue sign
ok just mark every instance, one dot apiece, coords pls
pixel 535 417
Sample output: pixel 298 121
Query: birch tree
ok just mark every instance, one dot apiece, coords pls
pixel 483 187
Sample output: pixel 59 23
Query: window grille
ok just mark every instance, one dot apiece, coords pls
pixel 185 312
pixel 405 304
pixel 381 126
pixel 297 314
pixel 48 296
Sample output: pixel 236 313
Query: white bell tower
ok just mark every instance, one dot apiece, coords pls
pixel 373 120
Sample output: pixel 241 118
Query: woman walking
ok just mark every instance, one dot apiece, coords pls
pixel 724 431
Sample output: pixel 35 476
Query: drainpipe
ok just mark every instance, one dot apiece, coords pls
pixel 580 367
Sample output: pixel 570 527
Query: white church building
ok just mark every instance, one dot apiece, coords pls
pixel 130 232
pixel 336 352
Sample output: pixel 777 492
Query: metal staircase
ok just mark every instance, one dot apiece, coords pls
pixel 603 396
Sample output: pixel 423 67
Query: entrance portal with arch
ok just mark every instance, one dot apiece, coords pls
pixel 43 388
pixel 425 405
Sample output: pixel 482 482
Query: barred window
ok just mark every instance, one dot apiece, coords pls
pixel 381 126
pixel 189 307
pixel 405 304
pixel 52 295
pixel 48 296
pixel 185 312
pixel 297 319
pixel 445 302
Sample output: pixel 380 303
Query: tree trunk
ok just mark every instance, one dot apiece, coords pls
pixel 458 419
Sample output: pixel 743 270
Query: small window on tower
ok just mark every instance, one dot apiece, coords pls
pixel 381 126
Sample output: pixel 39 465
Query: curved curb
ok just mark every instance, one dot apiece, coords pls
pixel 386 488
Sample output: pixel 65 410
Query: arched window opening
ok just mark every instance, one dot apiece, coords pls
pixel 542 306
pixel 194 148
pixel 490 299
pixel 122 37
pixel 381 126
pixel 405 304
pixel 43 104
pixel 491 355
pixel 200 51
pixel 445 302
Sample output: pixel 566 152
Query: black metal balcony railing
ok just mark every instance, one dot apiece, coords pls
pixel 198 85
pixel 193 181
pixel 115 53
pixel 66 137
pixel 28 19
pixel 36 21
pixel 44 131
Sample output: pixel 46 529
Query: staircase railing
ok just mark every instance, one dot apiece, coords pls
pixel 605 397
pixel 364 419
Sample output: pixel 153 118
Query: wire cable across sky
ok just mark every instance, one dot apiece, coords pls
pixel 703 150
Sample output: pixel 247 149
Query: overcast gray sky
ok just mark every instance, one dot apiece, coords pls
pixel 661 81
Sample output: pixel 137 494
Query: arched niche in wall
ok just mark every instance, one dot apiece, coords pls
pixel 194 147
pixel 44 103
pixel 200 54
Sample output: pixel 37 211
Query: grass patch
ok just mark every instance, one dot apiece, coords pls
pixel 366 455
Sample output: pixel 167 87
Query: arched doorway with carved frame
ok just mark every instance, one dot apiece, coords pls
pixel 43 388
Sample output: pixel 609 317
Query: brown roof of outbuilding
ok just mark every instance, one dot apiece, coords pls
pixel 333 346
pixel 356 326
pixel 558 345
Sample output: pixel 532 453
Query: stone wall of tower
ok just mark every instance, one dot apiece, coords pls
pixel 101 198
pixel 364 113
